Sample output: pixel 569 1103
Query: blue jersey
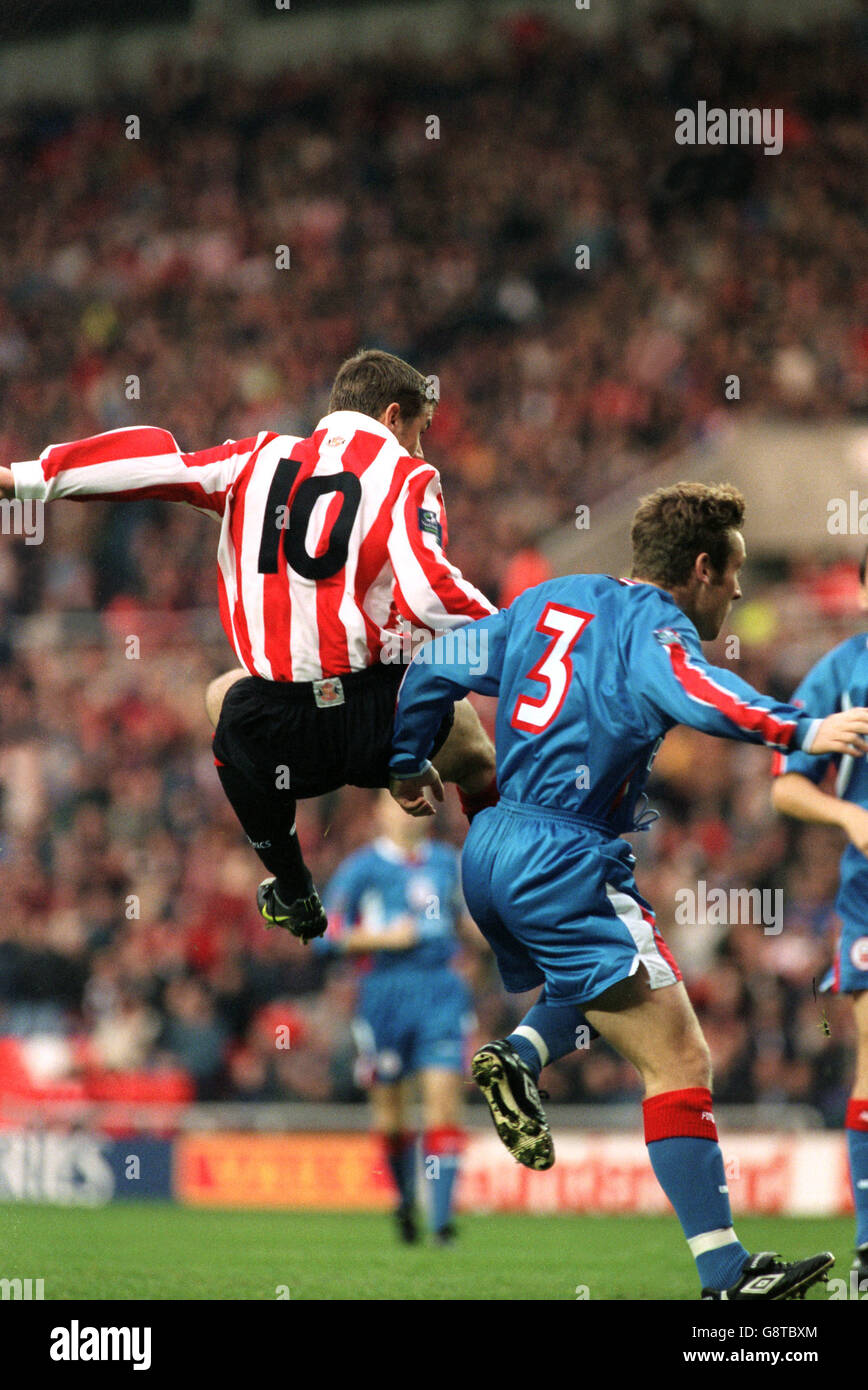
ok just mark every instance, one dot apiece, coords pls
pixel 377 886
pixel 604 668
pixel 840 681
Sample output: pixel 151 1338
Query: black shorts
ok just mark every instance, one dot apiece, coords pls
pixel 266 726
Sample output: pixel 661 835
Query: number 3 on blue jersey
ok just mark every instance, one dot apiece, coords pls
pixel 554 668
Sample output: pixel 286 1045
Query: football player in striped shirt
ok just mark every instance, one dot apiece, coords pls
pixel 591 673
pixel 331 550
pixel 837 682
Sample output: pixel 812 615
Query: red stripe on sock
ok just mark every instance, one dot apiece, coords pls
pixel 472 804
pixel 680 1115
pixel 448 1139
pixel 857 1115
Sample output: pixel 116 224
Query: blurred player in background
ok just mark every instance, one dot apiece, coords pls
pixel 326 544
pixel 838 682
pixel 591 673
pixel 398 902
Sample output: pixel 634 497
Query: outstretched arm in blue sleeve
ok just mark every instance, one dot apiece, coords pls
pixel 443 671
pixel 680 686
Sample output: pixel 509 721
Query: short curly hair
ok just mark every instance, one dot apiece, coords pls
pixel 673 525
pixel 372 379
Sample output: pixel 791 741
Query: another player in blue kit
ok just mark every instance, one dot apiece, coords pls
pixel 399 902
pixel 591 672
pixel 839 681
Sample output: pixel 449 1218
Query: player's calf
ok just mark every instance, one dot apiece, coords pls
pixel 657 1030
pixel 399 1146
pixel 856 1128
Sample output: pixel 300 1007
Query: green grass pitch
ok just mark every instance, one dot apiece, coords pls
pixel 156 1251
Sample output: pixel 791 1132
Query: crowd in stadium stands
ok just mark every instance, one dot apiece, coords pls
pixel 155 258
pixel 139 283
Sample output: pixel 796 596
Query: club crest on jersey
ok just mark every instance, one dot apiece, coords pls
pixel 859 953
pixel 430 523
pixel 335 441
pixel 328 692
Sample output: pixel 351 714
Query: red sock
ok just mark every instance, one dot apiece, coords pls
pixel 680 1115
pixel 857 1115
pixel 395 1145
pixel 446 1139
pixel 473 802
pixel 400 1150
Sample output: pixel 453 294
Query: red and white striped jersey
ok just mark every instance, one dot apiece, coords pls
pixel 325 545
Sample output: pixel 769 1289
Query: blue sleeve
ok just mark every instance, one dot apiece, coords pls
pixel 344 890
pixel 821 692
pixel 341 900
pixel 441 672
pixel 678 686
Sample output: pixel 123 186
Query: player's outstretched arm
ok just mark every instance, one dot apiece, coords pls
pixel 682 687
pixel 795 795
pixel 844 732
pixel 7 484
pixel 399 935
pixel 133 463
pixel 409 792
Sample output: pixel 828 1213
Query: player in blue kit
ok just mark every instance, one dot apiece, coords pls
pixel 591 672
pixel 839 681
pixel 398 901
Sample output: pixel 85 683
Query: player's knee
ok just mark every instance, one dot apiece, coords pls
pixel 441 1096
pixel 441 1116
pixel 443 1108
pixel 467 756
pixel 695 1059
pixel 478 763
pixel 686 1063
pixel 214 700
pixel 216 693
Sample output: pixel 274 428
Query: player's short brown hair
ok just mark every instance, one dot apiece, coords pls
pixel 675 524
pixel 371 380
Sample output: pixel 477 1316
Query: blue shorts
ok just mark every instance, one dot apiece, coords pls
pixel 849 973
pixel 558 904
pixel 410 1019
